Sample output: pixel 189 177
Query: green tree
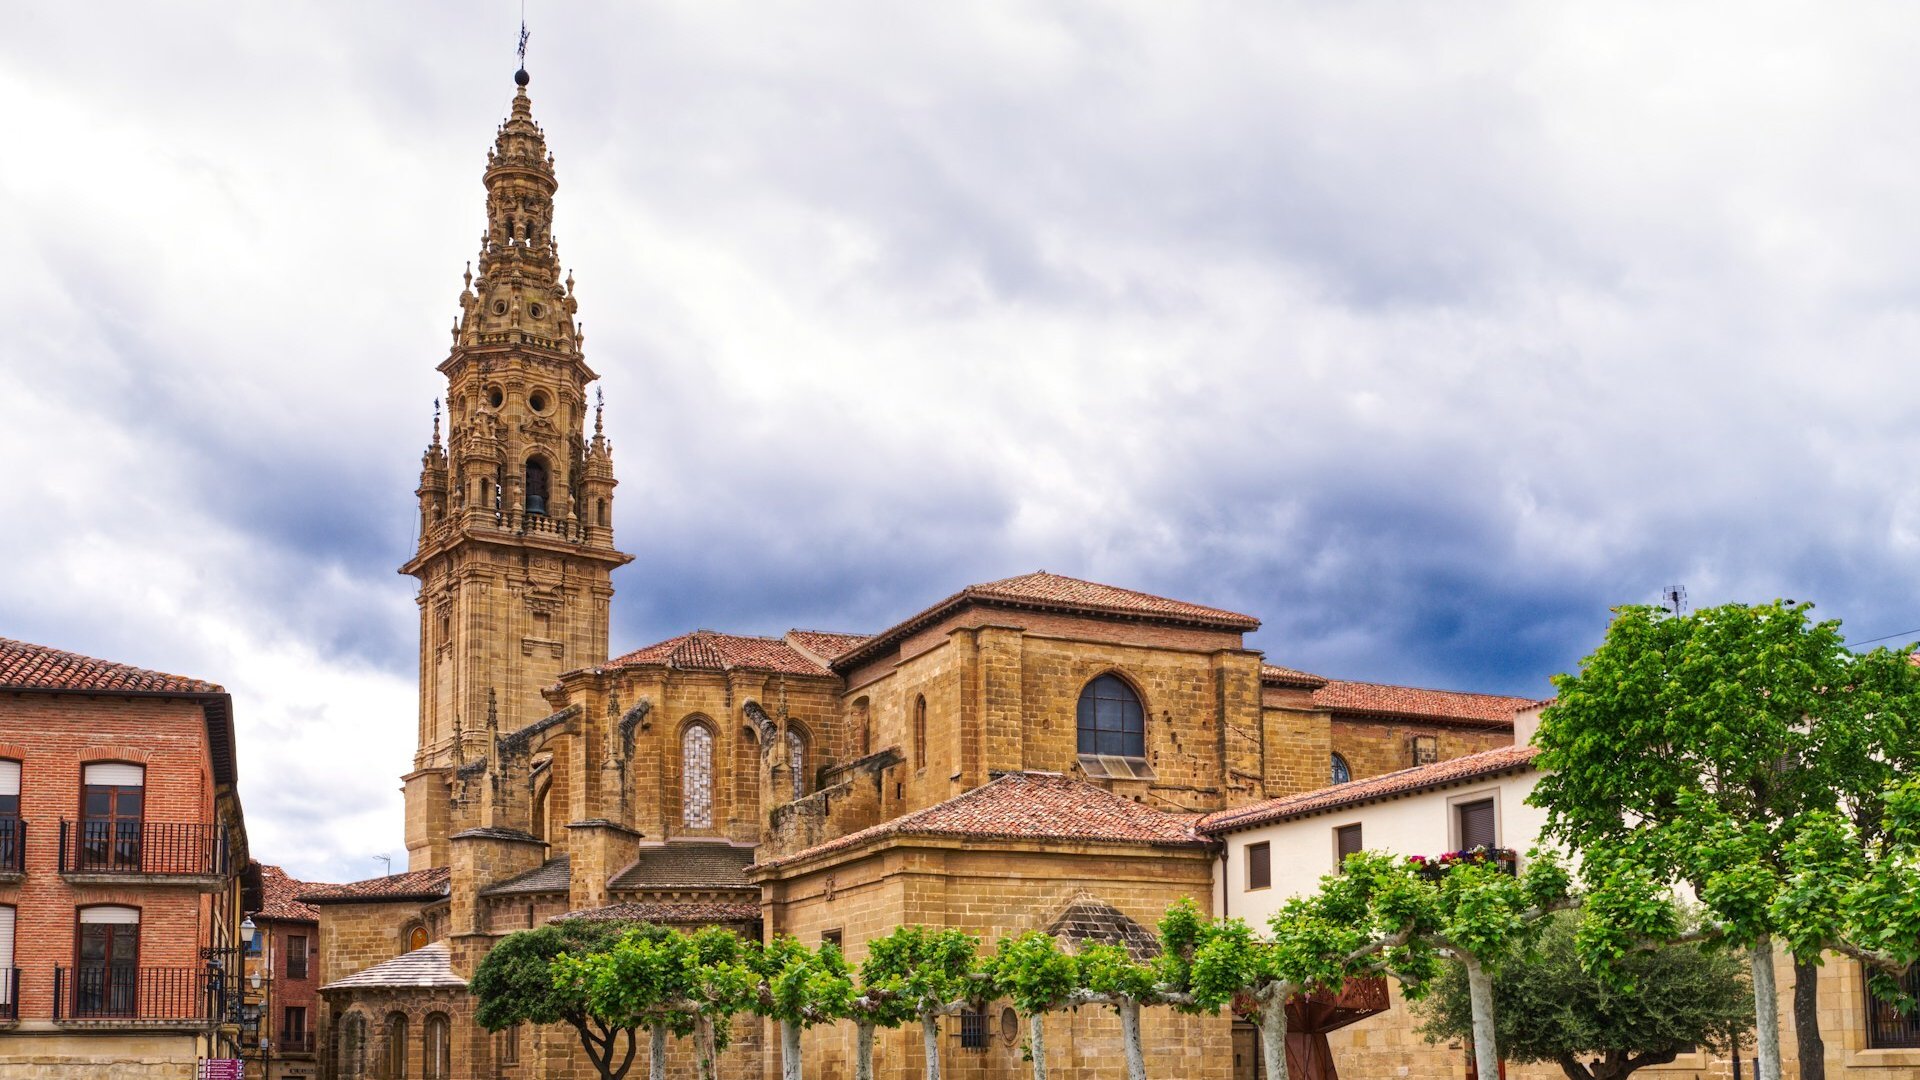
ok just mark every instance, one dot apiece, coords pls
pixel 930 973
pixel 1551 1009
pixel 1033 972
pixel 515 984
pixel 798 989
pixel 880 1001
pixel 694 983
pixel 1698 748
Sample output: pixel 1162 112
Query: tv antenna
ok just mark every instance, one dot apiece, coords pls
pixel 388 860
pixel 1674 599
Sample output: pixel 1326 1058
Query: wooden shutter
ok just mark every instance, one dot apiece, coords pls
pixel 1348 837
pixel 1476 825
pixel 1259 866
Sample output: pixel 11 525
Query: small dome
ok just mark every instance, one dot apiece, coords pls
pixel 521 78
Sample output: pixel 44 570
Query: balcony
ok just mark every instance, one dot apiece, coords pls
pixel 1433 868
pixel 9 995
pixel 294 1042
pixel 143 853
pixel 117 995
pixel 13 847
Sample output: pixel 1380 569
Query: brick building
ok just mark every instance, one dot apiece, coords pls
pixel 1025 753
pixel 121 848
pixel 281 995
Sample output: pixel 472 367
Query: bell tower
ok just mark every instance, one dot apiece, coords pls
pixel 516 505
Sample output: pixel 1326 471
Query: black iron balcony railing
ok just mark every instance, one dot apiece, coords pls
pixel 294 1042
pixel 142 847
pixel 114 992
pixel 13 845
pixel 9 994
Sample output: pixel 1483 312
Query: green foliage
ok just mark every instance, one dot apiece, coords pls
pixel 922 970
pixel 1031 971
pixel 515 984
pixel 1549 1008
pixel 801 986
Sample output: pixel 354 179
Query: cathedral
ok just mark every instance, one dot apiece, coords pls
pixel 1029 753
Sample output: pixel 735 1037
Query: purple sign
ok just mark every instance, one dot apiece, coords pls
pixel 220 1069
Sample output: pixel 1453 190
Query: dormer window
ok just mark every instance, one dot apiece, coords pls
pixel 536 486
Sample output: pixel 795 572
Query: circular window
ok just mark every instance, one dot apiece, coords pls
pixel 1009 1026
pixel 538 310
pixel 538 401
pixel 495 397
pixel 499 307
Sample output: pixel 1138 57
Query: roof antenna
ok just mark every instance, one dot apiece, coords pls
pixel 388 859
pixel 1674 599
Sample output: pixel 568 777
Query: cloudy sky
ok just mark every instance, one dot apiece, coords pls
pixel 1425 333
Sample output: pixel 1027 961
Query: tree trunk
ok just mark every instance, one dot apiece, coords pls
pixel 1130 1033
pixel 930 1042
pixel 1766 1011
pixel 1486 1048
pixel 1573 1068
pixel 1037 1044
pixel 1806 1021
pixel 789 1050
pixel 863 1052
pixel 657 1051
pixel 703 1047
pixel 1273 1034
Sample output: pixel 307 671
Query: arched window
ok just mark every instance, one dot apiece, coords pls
pixel 1341 773
pixel 603 513
pixel 797 761
pixel 920 731
pixel 696 777
pixel 416 938
pixel 397 1047
pixel 1111 720
pixel 438 1060
pixel 536 486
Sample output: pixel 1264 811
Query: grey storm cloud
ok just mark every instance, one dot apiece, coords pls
pixel 1424 335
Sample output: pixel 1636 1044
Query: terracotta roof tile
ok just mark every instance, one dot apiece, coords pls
pixel 280 897
pixel 825 644
pixel 429 884
pixel 1027 806
pixel 667 913
pixel 429 965
pixel 24 666
pixel 686 865
pixel 1379 699
pixel 1091 920
pixel 1387 785
pixel 708 650
pixel 1042 591
pixel 1275 675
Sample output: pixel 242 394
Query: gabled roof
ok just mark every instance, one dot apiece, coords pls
pixel 280 897
pixel 428 884
pixel 1027 806
pixel 554 875
pixel 1041 591
pixel 1275 675
pixel 1412 702
pixel 701 913
pixel 25 666
pixel 427 966
pixel 1373 788
pixel 709 650
pixel 685 864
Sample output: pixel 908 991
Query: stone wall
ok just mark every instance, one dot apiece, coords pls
pixel 1372 746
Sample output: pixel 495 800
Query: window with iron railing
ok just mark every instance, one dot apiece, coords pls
pixel 973 1030
pixel 1887 1027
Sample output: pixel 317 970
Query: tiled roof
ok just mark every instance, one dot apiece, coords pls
pixel 1275 675
pixel 1041 591
pixel 686 865
pixel 280 897
pixel 429 884
pixel 554 875
pixel 824 643
pixel 1379 699
pixel 709 650
pixel 666 913
pixel 1388 785
pixel 1089 920
pixel 1027 806
pixel 36 667
pixel 426 966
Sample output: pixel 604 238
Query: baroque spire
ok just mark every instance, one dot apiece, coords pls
pixel 517 297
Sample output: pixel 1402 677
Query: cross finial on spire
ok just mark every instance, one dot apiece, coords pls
pixel 520 76
pixel 599 406
pixel 436 421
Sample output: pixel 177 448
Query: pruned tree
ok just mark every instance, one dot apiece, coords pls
pixel 1700 747
pixel 515 984
pixel 798 989
pixel 929 973
pixel 1033 972
pixel 1550 1008
pixel 693 984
